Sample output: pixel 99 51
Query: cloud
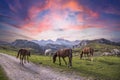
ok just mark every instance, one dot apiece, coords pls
pixel 11 36
pixel 57 17
pixel 35 28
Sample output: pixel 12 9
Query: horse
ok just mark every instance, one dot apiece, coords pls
pixel 88 51
pixel 23 54
pixel 63 53
pixel 49 52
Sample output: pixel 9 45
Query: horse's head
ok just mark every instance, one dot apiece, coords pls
pixel 54 57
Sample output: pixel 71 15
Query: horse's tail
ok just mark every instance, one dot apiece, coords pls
pixel 91 51
pixel 71 53
pixel 18 53
pixel 54 57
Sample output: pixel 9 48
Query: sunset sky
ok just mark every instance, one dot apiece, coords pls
pixel 52 19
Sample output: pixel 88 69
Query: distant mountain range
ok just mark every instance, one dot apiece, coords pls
pixel 41 45
pixel 58 44
pixel 59 41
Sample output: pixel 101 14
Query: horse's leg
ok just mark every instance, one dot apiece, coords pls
pixel 20 59
pixel 88 56
pixel 24 58
pixel 91 56
pixel 59 61
pixel 64 60
pixel 81 55
pixel 27 59
pixel 70 62
pixel 84 56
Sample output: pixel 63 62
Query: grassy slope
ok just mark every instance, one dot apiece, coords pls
pixel 105 68
pixel 102 47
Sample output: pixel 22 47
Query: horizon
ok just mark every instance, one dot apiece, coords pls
pixel 52 19
pixel 60 38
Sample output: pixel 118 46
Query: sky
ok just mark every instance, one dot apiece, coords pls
pixel 53 19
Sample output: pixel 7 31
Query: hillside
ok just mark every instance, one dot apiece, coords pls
pixel 100 45
pixel 99 48
pixel 99 41
pixel 17 44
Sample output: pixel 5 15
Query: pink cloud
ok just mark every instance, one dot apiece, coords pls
pixel 34 11
pixel 92 13
pixel 73 6
pixel 85 26
pixel 36 28
pixel 46 23
pixel 56 6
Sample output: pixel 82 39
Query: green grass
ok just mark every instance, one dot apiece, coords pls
pixel 106 68
pixel 101 68
pixel 2 74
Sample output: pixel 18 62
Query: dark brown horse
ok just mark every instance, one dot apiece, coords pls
pixel 24 54
pixel 63 53
pixel 87 51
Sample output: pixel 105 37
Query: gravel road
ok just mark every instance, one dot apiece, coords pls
pixel 31 71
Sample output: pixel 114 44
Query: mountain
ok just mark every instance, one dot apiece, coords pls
pixel 58 44
pixel 105 41
pixel 42 45
pixel 101 40
pixel 4 43
pixel 27 44
pixel 43 42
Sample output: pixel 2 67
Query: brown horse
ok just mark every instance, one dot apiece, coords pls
pixel 24 54
pixel 63 53
pixel 88 51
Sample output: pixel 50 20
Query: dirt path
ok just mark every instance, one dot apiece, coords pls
pixel 31 71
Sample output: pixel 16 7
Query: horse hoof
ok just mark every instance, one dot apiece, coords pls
pixel 40 62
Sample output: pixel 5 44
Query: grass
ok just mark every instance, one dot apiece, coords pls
pixel 101 68
pixel 106 68
pixel 2 74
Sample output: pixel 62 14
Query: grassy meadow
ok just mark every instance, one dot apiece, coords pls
pixel 101 68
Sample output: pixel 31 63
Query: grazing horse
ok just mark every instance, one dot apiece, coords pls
pixel 63 53
pixel 49 52
pixel 24 54
pixel 88 51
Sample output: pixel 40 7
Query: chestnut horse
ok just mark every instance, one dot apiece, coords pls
pixel 63 53
pixel 88 51
pixel 24 54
